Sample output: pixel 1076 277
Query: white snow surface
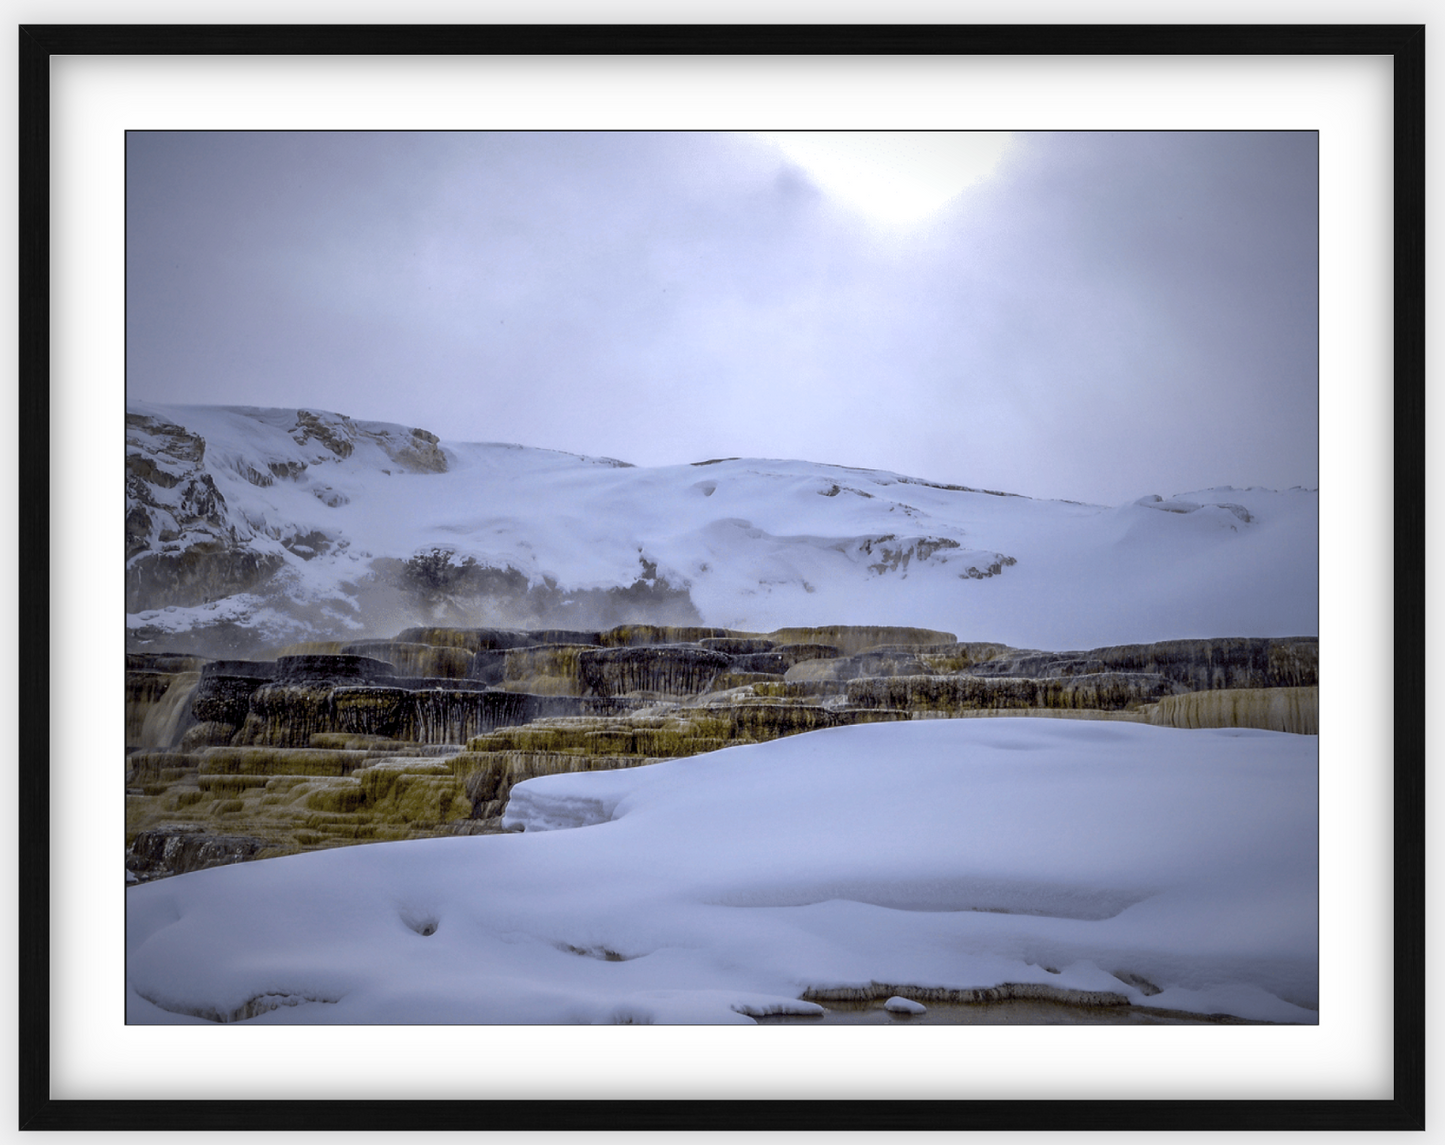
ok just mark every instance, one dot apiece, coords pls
pixel 899 1005
pixel 959 853
pixel 759 544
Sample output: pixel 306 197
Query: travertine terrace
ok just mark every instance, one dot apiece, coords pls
pixel 332 744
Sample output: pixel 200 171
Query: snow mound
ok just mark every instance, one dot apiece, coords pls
pixel 1172 868
pixel 899 1005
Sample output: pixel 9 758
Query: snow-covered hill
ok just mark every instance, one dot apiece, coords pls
pixel 250 528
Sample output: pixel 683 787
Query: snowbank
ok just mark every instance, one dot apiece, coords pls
pixel 1175 868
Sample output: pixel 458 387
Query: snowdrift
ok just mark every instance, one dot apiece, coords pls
pixel 1106 862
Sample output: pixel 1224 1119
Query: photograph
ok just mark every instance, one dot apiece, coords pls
pixel 635 534
pixel 722 577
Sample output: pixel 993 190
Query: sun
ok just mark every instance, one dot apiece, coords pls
pixel 898 178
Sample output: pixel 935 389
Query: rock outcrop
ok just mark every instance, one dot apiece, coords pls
pixel 182 545
pixel 187 545
pixel 185 847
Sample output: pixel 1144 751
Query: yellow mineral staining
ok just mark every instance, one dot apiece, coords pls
pixel 1272 709
pixel 954 695
pixel 546 670
pixel 150 764
pixel 850 639
pixel 635 635
pixel 338 798
pixel 1127 715
pixel 224 786
pixel 871 715
pixel 681 738
pixel 490 776
pixel 297 799
pixel 412 659
pixel 312 648
pixel 544 686
pixel 729 681
pixel 685 732
pixel 947 658
pixel 737 645
pixel 287 714
pixel 350 741
pixel 794 689
pixel 762 641
pixel 553 734
pixel 277 761
pixel 413 791
pixel 756 723
pixel 466 639
pixel 814 671
pixel 493 762
pixel 207 734
pixel 796 653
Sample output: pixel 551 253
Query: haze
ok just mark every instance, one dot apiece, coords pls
pixel 1092 316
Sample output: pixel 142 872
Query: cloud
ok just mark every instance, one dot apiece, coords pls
pixel 1108 315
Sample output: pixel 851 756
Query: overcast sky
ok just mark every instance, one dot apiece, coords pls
pixel 1099 317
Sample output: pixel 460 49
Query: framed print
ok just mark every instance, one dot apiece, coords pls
pixel 682 263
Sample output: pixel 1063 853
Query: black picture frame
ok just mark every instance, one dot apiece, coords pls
pixel 1405 45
